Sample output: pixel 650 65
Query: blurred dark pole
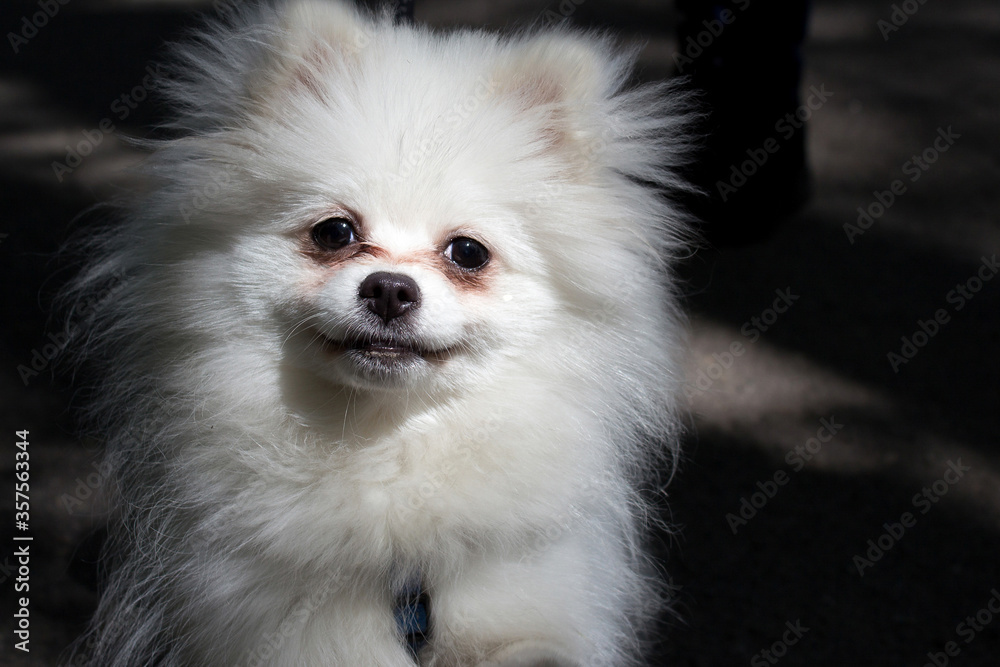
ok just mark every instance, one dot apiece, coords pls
pixel 745 59
pixel 404 11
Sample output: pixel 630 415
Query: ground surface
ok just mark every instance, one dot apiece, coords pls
pixel 792 559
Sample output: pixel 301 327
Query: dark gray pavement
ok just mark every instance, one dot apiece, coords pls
pixel 828 487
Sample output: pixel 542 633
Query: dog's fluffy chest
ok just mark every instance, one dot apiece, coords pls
pixel 418 491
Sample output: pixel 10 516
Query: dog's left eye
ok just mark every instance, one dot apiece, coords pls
pixel 467 253
pixel 334 233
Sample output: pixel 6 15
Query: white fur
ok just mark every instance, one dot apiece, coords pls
pixel 268 499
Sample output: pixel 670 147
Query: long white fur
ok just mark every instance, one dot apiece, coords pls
pixel 265 507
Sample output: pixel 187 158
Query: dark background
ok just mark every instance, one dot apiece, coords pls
pixel 825 358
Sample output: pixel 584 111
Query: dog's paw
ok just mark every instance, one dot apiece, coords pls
pixel 530 653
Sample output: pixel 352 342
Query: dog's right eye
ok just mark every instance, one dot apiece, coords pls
pixel 467 253
pixel 334 233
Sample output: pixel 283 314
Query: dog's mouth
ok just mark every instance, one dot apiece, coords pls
pixel 385 348
pixel 384 352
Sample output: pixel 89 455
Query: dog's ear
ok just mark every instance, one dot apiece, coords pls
pixel 317 38
pixel 555 68
pixel 248 61
pixel 336 22
pixel 565 80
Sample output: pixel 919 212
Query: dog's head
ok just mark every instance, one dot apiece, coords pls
pixel 387 208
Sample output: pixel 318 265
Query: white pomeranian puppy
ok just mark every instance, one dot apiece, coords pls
pixel 390 349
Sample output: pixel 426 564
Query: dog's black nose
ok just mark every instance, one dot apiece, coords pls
pixel 389 295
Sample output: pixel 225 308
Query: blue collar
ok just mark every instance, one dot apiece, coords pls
pixel 412 612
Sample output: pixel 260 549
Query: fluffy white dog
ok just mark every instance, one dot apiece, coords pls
pixel 393 322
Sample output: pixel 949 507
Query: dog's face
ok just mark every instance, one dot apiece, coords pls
pixel 414 254
pixel 418 298
pixel 405 202
pixel 388 311
pixel 405 211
